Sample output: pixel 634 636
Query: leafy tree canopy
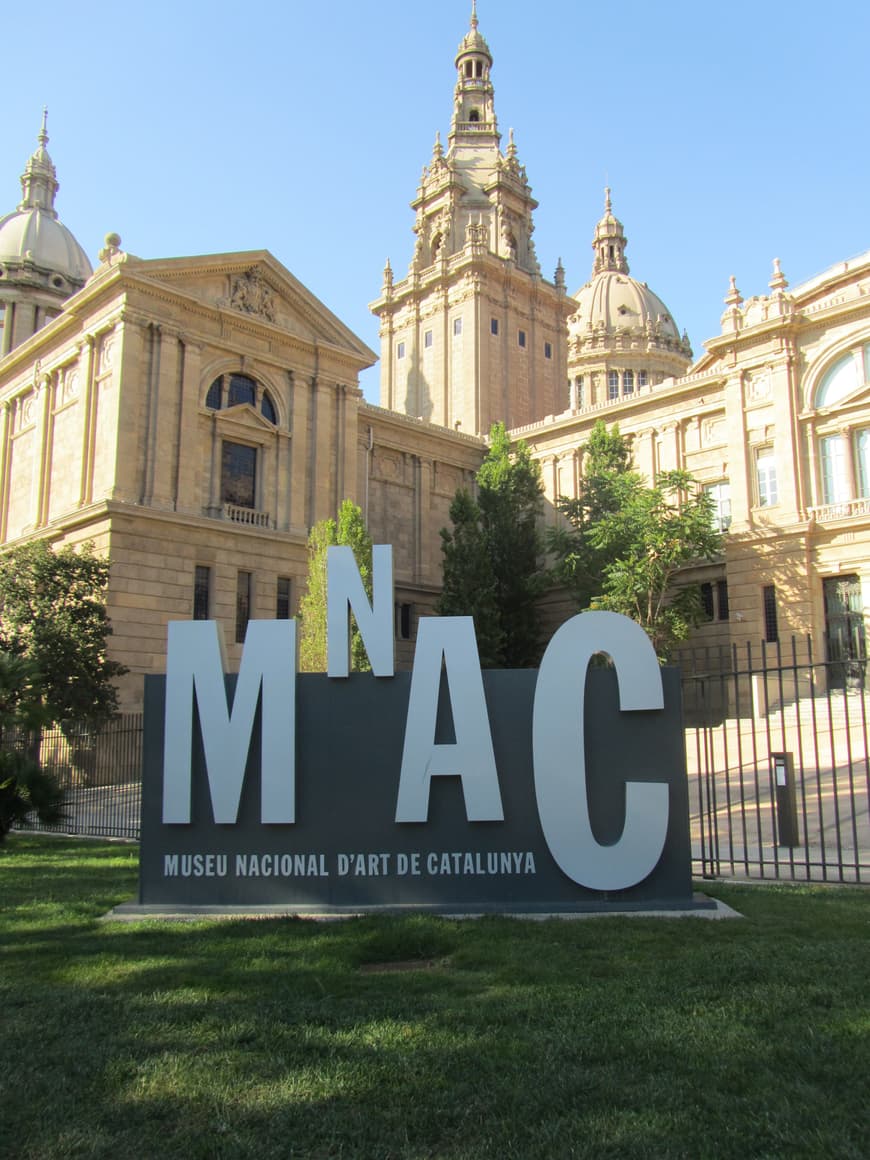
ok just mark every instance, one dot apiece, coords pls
pixel 349 530
pixel 53 613
pixel 492 556
pixel 626 541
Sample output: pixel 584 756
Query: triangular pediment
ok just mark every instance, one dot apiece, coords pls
pixel 244 415
pixel 253 286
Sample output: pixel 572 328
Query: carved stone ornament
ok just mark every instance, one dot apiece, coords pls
pixel 252 295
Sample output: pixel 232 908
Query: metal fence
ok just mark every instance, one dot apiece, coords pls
pixel 101 774
pixel 776 753
pixel 777 758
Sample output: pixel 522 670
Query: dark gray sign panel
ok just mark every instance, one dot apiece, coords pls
pixel 346 851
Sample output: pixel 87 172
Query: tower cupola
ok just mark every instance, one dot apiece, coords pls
pixel 473 104
pixel 609 242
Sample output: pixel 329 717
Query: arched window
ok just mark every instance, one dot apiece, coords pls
pixel 242 390
pixel 474 116
pixel 838 381
pixel 239 389
pixel 267 409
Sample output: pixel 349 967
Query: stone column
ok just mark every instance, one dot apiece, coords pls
pixel 89 420
pixel 5 443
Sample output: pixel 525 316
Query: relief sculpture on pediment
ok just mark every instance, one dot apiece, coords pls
pixel 251 294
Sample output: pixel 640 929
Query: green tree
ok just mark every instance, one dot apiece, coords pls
pixel 627 542
pixel 24 787
pixel 53 612
pixel 349 530
pixel 580 562
pixel 492 557
pixel 469 584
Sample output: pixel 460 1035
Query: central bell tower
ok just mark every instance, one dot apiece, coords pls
pixel 473 333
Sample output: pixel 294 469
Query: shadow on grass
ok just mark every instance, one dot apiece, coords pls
pixel 615 1037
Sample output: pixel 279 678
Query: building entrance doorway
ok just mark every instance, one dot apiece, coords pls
pixel 844 632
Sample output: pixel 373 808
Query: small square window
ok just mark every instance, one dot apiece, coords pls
pixel 457 326
pixel 493 326
pixel 400 350
pixel 548 350
pixel 427 339
pixel 521 337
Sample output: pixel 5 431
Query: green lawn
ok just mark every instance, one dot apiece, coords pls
pixel 490 1038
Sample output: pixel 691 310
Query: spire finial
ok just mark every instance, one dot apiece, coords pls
pixel 42 137
pixel 778 282
pixel 733 297
pixel 474 13
pixel 607 206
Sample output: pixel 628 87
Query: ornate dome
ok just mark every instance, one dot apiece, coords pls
pixel 33 236
pixel 615 305
pixel 616 302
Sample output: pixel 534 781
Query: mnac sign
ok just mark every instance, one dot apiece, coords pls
pixel 447 788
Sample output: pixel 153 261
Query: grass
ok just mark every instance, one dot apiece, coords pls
pixel 487 1038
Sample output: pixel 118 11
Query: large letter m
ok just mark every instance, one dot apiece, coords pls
pixel 195 668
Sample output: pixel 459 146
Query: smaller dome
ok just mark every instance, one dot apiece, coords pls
pixel 36 236
pixel 32 234
pixel 616 301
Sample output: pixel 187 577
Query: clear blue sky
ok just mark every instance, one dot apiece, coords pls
pixel 730 133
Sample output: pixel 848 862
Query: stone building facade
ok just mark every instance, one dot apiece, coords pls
pixel 195 416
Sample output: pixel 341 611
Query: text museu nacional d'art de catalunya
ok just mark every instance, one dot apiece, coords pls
pixel 446 787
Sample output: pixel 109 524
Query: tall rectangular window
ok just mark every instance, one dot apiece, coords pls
pixel 578 386
pixel 548 350
pixel 722 599
pixel 835 484
pixel 771 627
pixel 765 477
pixel 238 474
pixel 613 385
pixel 493 326
pixel 707 600
pixel 283 594
pixel 720 494
pixel 628 383
pixel 243 605
pixel 521 337
pixel 400 350
pixel 642 379
pixel 403 620
pixel 427 339
pixel 201 592
pixel 457 326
